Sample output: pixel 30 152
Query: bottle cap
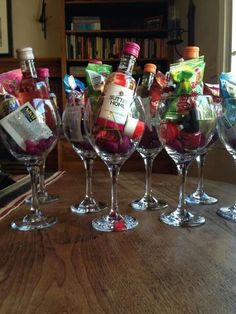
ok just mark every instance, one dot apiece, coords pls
pixel 42 72
pixel 25 53
pixel 95 61
pixel 191 52
pixel 131 48
pixel 150 68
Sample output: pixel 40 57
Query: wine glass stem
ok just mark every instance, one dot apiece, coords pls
pixel 148 162
pixel 42 185
pixel 88 165
pixel 33 171
pixel 114 172
pixel 200 162
pixel 182 170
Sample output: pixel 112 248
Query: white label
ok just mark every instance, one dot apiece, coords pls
pixel 73 123
pixel 97 80
pixel 116 104
pixel 25 124
pixel 147 109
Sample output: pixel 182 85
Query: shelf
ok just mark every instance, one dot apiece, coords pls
pixel 118 60
pixel 157 33
pixel 86 2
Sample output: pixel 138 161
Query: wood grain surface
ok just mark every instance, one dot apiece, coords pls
pixel 155 268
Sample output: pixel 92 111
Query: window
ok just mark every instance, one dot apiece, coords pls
pixel 233 40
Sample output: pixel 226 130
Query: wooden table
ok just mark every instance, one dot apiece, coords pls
pixel 155 268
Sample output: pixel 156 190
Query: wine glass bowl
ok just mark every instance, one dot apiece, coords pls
pixel 226 127
pixel 186 124
pixel 29 132
pixel 72 123
pixel 114 141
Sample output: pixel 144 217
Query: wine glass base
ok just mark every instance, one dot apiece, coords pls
pixel 49 198
pixel 84 207
pixel 200 199
pixel 228 213
pixel 179 220
pixel 148 203
pixel 107 224
pixel 33 221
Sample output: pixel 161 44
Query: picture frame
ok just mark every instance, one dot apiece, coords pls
pixel 5 28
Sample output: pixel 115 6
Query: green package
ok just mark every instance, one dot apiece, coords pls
pixel 187 76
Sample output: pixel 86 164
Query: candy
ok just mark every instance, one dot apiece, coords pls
pixel 190 140
pixel 168 132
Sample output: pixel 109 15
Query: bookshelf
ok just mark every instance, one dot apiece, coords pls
pixel 98 29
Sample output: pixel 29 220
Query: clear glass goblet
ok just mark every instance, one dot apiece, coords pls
pixel 73 128
pixel 149 147
pixel 114 143
pixel 200 196
pixel 226 127
pixel 29 132
pixel 43 196
pixel 185 126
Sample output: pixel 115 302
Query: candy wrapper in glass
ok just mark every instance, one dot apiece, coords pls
pixel 11 80
pixel 73 87
pixel 182 132
pixel 187 76
pixel 227 85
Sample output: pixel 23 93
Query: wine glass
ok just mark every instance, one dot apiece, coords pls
pixel 200 196
pixel 226 127
pixel 28 133
pixel 73 130
pixel 149 147
pixel 43 196
pixel 114 142
pixel 185 126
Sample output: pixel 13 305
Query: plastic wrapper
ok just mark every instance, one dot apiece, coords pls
pixel 227 85
pixel 73 87
pixel 8 103
pixel 10 80
pixel 187 76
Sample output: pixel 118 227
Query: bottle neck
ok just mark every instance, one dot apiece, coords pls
pixel 28 68
pixel 147 79
pixel 127 64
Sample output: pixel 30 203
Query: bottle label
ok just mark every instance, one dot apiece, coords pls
pixel 25 124
pixel 72 123
pixel 116 104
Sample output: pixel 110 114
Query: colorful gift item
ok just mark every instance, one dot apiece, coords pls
pixel 113 141
pixel 38 147
pixel 10 80
pixel 227 85
pixel 73 87
pixel 187 76
pixel 96 74
pixel 8 103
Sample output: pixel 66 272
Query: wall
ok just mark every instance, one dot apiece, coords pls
pixel 27 30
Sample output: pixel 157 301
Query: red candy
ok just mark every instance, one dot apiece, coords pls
pixel 191 140
pixel 168 132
